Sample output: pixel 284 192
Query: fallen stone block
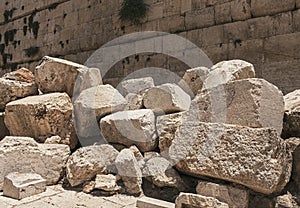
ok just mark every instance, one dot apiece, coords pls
pixel 3 129
pixel 106 183
pixel 196 200
pixel 22 185
pixel 41 117
pixel 134 101
pixel 86 162
pixel 291 121
pixel 227 71
pixel 131 128
pixel 136 86
pixel 234 197
pixel 167 98
pixel 147 202
pixel 21 75
pixel 24 154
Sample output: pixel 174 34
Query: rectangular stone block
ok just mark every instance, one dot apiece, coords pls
pixel 260 27
pixel 223 13
pixel 283 23
pixel 240 10
pixel 296 20
pixel 213 35
pixel 186 6
pixel 147 202
pixel 236 31
pixel 269 7
pixel 200 18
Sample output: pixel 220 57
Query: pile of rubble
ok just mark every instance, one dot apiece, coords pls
pixel 218 138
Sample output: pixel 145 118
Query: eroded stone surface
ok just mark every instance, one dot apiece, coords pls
pixel 21 75
pixel 136 86
pixel 134 101
pixel 196 200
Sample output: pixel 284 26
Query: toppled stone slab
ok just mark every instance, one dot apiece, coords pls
pixel 106 183
pixel 93 104
pixel 147 202
pixel 234 197
pixel 22 185
pixel 21 75
pixel 134 101
pixel 254 157
pixel 196 200
pixel 131 128
pixel 3 129
pixel 227 71
pixel 47 160
pixel 249 102
pixel 193 79
pixel 87 162
pixel 41 117
pixel 136 86
pixel 291 121
pixel 129 171
pixel 167 98
pixel 57 75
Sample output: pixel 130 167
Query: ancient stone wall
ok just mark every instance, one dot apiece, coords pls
pixel 264 32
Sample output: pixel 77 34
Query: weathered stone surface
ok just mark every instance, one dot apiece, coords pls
pixel 3 130
pixel 129 171
pixel 136 86
pixel 56 140
pixel 285 201
pixel 192 80
pixel 240 10
pixel 168 98
pixel 147 202
pixel 234 197
pixel 261 201
pixel 41 117
pixel 248 102
pixel 21 75
pixel 22 185
pixel 294 147
pixel 196 200
pixel 134 101
pixel 47 160
pixel 291 122
pixel 57 75
pixel 131 128
pixel 254 157
pixel 106 183
pixel 93 104
pixel 269 7
pixel 227 71
pixel 87 162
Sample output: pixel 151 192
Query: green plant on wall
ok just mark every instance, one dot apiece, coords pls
pixel 133 10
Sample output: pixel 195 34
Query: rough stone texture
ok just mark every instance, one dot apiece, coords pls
pixel 269 7
pixel 11 90
pixel 260 201
pixel 285 201
pixel 129 171
pixel 22 185
pixel 240 10
pixel 196 200
pixel 57 75
pixel 134 101
pixel 56 140
pixel 136 86
pixel 3 130
pixel 93 104
pixel 294 146
pixel 291 122
pixel 21 75
pixel 47 160
pixel 168 98
pixel 234 197
pixel 256 158
pixel 131 128
pixel 106 183
pixel 147 202
pixel 227 71
pixel 248 102
pixel 89 161
pixel 192 80
pixel 41 117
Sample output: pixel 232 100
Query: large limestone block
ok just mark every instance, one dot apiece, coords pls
pixel 131 128
pixel 87 162
pixel 23 154
pixel 129 171
pixel 93 104
pixel 227 71
pixel 136 86
pixel 249 102
pixel 291 122
pixel 41 117
pixel 269 7
pixel 22 185
pixel 234 197
pixel 254 157
pixel 196 200
pixel 167 98
pixel 3 130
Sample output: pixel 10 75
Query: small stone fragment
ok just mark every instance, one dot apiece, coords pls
pixel 285 201
pixel 106 183
pixel 196 200
pixel 56 140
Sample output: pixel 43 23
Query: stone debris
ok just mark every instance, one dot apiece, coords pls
pixel 24 154
pixel 285 201
pixel 56 140
pixel 136 86
pixel 148 202
pixel 134 101
pixel 106 183
pixel 196 200
pixel 41 117
pixel 22 185
pixel 131 128
pixel 167 98
pixel 3 129
pixel 227 71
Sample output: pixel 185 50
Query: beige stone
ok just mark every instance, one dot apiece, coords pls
pixel 148 202
pixel 234 197
pixel 205 14
pixel 223 13
pixel 47 160
pixel 134 101
pixel 21 75
pixel 285 201
pixel 240 10
pixel 269 7
pixel 131 128
pixel 87 162
pixel 41 117
pixel 106 182
pixel 196 200
pixel 249 102
pixel 294 147
pixel 57 75
pixel 3 130
pixel 56 140
pixel 227 71
pixel 168 98
pixel 136 86
pixel 22 185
